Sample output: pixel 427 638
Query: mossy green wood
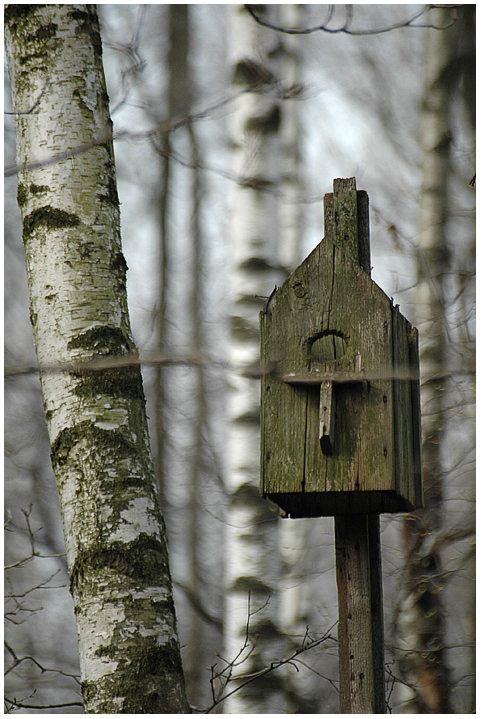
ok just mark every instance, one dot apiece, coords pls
pixel 329 319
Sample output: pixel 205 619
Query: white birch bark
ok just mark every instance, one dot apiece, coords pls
pixel 420 618
pixel 264 239
pixel 296 596
pixel 114 531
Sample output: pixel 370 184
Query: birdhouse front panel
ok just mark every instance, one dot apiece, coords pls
pixel 337 392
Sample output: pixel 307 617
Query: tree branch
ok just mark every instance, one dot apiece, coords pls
pixel 409 22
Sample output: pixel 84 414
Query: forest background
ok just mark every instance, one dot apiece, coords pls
pixel 218 207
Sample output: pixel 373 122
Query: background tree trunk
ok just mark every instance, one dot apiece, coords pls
pixel 114 531
pixel 265 243
pixel 182 396
pixel 421 614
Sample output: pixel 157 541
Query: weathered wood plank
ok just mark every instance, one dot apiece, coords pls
pixel 361 626
pixel 356 672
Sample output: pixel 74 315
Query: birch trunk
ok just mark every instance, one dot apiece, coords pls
pixel 420 620
pixel 264 240
pixel 114 531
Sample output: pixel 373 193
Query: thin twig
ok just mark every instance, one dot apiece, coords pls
pixel 225 676
pixel 409 22
pixel 35 104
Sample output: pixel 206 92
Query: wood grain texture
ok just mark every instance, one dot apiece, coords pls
pixel 356 676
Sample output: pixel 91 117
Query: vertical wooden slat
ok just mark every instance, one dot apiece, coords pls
pixel 340 217
pixel 403 409
pixel 396 398
pixel 413 340
pixel 363 239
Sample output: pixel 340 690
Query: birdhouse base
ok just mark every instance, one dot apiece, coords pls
pixel 295 505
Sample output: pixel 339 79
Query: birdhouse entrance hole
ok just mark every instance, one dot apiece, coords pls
pixel 329 347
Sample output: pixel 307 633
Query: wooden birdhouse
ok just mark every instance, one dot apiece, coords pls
pixel 340 403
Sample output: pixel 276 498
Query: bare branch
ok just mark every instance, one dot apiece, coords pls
pixel 138 63
pixel 409 22
pixel 35 104
pixel 33 553
pixel 21 705
pixel 19 606
pixel 198 605
pixel 294 92
pixel 27 658
pixel 220 680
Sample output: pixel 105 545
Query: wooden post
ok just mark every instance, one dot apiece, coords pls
pixel 360 630
pixel 358 547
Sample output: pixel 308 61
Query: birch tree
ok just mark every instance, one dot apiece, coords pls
pixel 264 242
pixel 92 388
pixel 422 615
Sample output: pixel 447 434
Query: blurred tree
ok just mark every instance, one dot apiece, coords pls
pixel 265 244
pixel 184 450
pixel 116 547
pixel 449 77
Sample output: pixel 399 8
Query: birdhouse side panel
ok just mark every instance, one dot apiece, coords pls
pixel 283 409
pixel 406 410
